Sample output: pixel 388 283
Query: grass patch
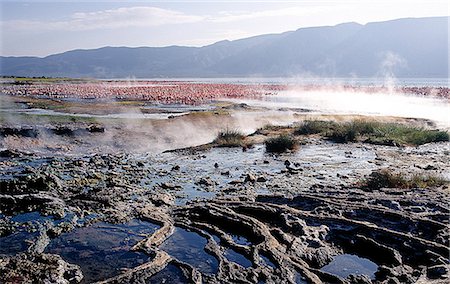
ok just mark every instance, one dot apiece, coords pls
pixel 281 144
pixel 343 133
pixel 315 127
pixel 388 179
pixel 398 134
pixel 230 138
pixel 270 129
pixel 373 132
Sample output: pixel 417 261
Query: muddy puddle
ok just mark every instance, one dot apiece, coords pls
pixel 267 262
pixel 238 258
pixel 16 242
pixel 240 240
pixel 26 231
pixel 102 250
pixel 189 247
pixel 345 264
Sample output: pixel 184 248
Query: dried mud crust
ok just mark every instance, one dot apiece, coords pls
pixel 41 268
pixel 300 235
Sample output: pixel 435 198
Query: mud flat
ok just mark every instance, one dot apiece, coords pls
pixel 78 207
pixel 134 217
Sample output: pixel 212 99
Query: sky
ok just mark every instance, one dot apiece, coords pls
pixel 41 28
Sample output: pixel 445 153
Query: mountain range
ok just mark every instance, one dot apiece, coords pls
pixel 410 47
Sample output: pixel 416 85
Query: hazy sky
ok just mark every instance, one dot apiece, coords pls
pixel 40 28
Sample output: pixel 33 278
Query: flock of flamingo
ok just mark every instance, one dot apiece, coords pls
pixel 190 93
pixel 158 92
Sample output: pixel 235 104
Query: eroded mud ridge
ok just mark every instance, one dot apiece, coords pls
pixel 291 240
pixel 301 235
pixel 224 216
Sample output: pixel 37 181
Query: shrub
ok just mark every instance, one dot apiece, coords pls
pixel 363 127
pixel 441 136
pixel 403 134
pixel 384 133
pixel 343 133
pixel 424 181
pixel 281 144
pixel 270 129
pixel 389 179
pixel 315 126
pixel 230 138
pixel 380 133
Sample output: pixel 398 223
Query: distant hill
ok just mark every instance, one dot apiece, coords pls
pixel 412 47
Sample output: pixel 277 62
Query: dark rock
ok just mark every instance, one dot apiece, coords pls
pixel 162 199
pixel 292 170
pixel 78 163
pixel 395 205
pixel 438 271
pixel 261 179
pixel 30 183
pixel 417 209
pixel 95 128
pixel 63 130
pixel 41 268
pixel 24 131
pixel 10 154
pixel 250 178
pixel 430 168
pixel 359 279
pixel 206 182
pixel 398 274
pixel 170 186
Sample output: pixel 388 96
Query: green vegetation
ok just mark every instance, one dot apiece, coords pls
pixel 229 138
pixel 388 179
pixel 281 144
pixel 315 127
pixel 349 132
pixel 394 134
pixel 272 130
pixel 270 127
pixel 397 134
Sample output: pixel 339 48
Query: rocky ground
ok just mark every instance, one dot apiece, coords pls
pixel 220 215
